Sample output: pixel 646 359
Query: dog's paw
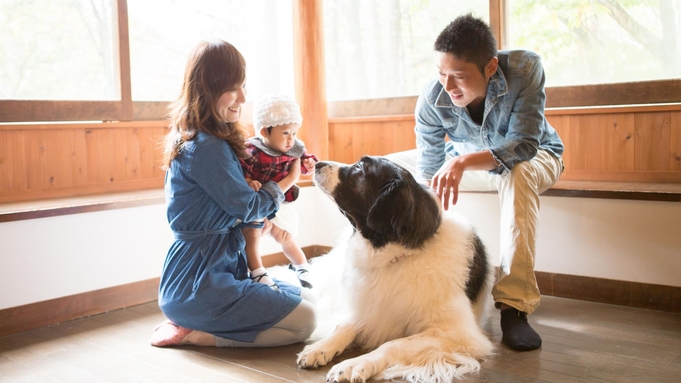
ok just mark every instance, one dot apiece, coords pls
pixel 356 370
pixel 314 356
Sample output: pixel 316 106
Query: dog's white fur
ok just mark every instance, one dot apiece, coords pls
pixel 408 306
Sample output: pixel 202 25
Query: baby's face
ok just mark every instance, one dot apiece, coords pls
pixel 281 137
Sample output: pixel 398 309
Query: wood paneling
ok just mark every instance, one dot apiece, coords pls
pixel 63 160
pixel 617 144
pixel 675 142
pixel 51 161
pixel 621 146
pixel 352 138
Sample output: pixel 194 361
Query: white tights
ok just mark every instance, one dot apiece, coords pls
pixel 297 326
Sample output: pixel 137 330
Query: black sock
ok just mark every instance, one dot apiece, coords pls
pixel 518 335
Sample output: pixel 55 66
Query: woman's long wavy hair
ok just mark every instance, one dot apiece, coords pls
pixel 213 68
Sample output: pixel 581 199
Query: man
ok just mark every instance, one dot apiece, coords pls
pixel 491 107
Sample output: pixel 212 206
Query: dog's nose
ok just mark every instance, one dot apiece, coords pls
pixel 320 165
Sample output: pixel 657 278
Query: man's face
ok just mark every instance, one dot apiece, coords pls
pixel 462 80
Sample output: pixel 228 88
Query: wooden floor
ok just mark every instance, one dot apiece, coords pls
pixel 583 342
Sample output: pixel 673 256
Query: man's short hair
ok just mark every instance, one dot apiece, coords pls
pixel 469 39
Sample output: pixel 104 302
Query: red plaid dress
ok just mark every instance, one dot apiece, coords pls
pixel 267 164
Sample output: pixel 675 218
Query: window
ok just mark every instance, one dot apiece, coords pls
pixel 377 49
pixel 599 41
pixel 57 50
pixel 67 60
pixel 163 33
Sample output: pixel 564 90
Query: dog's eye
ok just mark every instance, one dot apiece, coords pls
pixel 358 166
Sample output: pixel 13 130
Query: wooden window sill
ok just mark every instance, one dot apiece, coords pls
pixel 18 211
pixel 667 192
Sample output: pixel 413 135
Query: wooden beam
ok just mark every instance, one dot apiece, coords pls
pixel 498 21
pixel 55 110
pixel 122 51
pixel 308 42
pixel 626 93
pixel 150 110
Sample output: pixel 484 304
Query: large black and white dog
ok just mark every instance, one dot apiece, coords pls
pixel 416 280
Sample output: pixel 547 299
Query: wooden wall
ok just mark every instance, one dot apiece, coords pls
pixel 634 144
pixel 351 138
pixel 63 160
pixel 616 144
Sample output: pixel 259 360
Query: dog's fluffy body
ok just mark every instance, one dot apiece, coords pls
pixel 415 281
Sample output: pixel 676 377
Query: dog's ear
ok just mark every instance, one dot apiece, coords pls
pixel 382 212
pixel 404 213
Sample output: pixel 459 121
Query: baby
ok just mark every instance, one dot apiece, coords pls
pixel 276 120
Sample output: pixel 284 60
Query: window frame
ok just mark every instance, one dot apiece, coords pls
pixel 125 109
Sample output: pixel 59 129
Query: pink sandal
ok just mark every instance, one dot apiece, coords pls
pixel 168 334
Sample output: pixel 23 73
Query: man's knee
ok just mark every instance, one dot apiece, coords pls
pixel 538 173
pixel 524 173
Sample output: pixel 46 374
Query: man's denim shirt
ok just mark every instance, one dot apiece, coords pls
pixel 513 126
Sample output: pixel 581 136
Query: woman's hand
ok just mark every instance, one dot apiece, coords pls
pixel 291 178
pixel 255 185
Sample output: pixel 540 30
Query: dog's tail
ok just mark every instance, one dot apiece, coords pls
pixel 438 368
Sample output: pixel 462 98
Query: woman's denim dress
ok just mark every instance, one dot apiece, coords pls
pixel 205 284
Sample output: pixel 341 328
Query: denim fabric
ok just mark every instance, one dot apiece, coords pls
pixel 204 283
pixel 513 128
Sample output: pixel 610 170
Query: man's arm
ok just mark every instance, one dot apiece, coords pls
pixel 430 139
pixel 526 120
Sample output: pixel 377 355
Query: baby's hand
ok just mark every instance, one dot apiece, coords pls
pixel 309 164
pixel 255 185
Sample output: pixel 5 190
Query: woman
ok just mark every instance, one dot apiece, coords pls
pixel 205 290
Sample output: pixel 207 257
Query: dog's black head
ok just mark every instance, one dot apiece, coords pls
pixel 381 200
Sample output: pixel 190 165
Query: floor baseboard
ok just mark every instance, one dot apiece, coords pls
pixel 632 294
pixel 53 311
pixel 622 293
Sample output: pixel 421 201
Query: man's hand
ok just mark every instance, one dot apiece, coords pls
pixel 446 182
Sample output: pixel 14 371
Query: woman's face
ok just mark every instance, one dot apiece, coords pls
pixel 229 104
pixel 281 137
